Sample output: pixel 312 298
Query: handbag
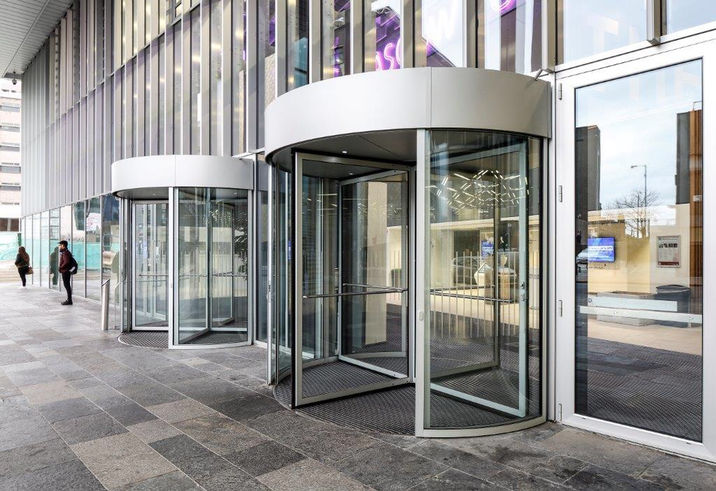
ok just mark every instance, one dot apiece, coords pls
pixel 29 270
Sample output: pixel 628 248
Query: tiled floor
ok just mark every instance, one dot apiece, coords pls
pixel 81 411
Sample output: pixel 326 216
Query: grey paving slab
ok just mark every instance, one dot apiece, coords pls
pixel 220 434
pixel 123 459
pixel 264 457
pixel 208 390
pixel 32 457
pixel 153 431
pixel 26 431
pixel 249 406
pixel 86 428
pixel 674 472
pixel 398 469
pixel 453 479
pixel 150 394
pixel 68 409
pixel 66 475
pixel 129 413
pixel 173 481
pixel 309 475
pixel 598 478
pixel 173 412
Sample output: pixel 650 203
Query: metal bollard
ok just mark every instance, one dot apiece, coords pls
pixel 105 305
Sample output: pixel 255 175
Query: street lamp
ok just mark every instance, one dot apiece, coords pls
pixel 634 166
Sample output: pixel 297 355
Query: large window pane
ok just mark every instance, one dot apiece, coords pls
pixel 586 28
pixel 110 254
pixel 36 255
pixel 297 56
pixel 44 248
pixel 509 35
pixel 383 42
pixel 266 62
pixel 78 248
pixel 336 39
pixel 215 80
pixel 195 82
pixel 441 33
pixel 639 251
pixel 681 14
pixel 484 353
pixel 177 89
pixel 93 224
pixel 54 251
pixel 238 77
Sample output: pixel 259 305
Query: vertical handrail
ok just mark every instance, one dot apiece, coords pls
pixel 105 305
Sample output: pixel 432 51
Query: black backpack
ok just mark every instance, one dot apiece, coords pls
pixel 73 265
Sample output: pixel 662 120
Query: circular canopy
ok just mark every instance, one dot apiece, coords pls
pixel 151 177
pixel 359 110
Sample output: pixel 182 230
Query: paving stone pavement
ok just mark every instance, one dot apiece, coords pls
pixel 81 411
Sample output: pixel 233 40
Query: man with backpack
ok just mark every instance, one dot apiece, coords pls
pixel 68 267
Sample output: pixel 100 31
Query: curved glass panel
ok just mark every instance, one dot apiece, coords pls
pixel 484 333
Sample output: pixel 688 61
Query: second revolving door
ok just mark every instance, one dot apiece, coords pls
pixel 351 297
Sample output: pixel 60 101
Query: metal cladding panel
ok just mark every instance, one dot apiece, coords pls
pixel 414 98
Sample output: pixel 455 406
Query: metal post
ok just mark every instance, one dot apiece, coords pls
pixel 105 305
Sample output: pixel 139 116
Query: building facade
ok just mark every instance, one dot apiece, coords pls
pixel 10 170
pixel 494 209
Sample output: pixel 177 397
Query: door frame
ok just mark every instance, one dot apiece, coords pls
pixel 564 264
pixel 382 169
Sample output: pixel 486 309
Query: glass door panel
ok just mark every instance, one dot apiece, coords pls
pixel 192 264
pixel 483 343
pixel 351 326
pixel 150 265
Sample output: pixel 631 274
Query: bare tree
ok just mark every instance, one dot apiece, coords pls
pixel 635 210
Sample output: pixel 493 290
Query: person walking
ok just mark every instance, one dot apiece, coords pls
pixel 22 261
pixel 68 267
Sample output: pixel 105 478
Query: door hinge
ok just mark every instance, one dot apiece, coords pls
pixel 559 92
pixel 559 193
pixel 561 310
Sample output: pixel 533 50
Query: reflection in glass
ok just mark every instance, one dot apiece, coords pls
pixel 266 62
pixel 383 42
pixel 238 80
pixel 639 251
pixel 150 264
pixel 335 45
pixel 442 30
pixel 177 89
pixel 509 35
pixel 587 28
pixel 65 231
pixel 282 314
pixel 297 55
pixel 44 248
pixel 484 353
pixel 110 254
pixel 682 14
pixel 215 80
pixel 78 248
pixel 195 82
pixel 54 238
pixel 192 263
pixel 93 224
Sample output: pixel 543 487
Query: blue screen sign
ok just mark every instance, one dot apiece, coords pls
pixel 487 248
pixel 600 249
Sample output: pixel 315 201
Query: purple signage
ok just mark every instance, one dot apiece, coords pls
pixel 387 40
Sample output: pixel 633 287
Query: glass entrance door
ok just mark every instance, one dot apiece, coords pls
pixel 149 261
pixel 351 297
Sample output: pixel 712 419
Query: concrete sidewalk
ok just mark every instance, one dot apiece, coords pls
pixel 82 411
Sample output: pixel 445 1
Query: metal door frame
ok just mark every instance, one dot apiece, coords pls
pixel 680 51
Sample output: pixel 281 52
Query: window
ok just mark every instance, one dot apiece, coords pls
pixel 382 37
pixel 336 39
pixel 215 79
pixel 195 84
pixel 682 14
pixel 238 77
pixel 440 33
pixel 297 56
pixel 266 62
pixel 586 28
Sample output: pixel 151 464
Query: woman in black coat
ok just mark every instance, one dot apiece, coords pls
pixel 22 261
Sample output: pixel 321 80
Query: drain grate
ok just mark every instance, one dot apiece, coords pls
pixel 144 339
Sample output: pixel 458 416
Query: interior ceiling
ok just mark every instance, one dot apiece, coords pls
pixel 24 27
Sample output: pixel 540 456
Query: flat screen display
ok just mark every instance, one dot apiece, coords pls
pixel 600 249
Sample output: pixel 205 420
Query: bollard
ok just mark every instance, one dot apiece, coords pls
pixel 105 305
